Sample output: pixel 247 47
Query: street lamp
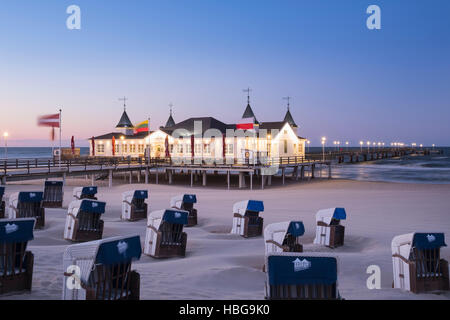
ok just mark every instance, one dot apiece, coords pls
pixel 5 136
pixel 368 146
pixel 308 142
pixel 346 144
pixel 361 144
pixel 323 148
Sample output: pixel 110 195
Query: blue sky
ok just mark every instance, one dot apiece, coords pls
pixel 346 82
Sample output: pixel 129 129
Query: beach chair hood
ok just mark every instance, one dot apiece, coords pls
pixel 301 269
pixel 82 257
pixel 170 215
pixel 30 196
pixel 326 215
pixel 53 183
pixel 16 230
pixel 89 191
pixel 402 244
pixel 248 205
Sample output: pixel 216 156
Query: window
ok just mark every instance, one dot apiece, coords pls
pixel 141 148
pixel 198 148
pixel 125 148
pixel 300 148
pixel 206 148
pixel 132 148
pixel 171 148
pixel 100 148
pixel 188 148
pixel 229 148
pixel 295 147
pixel 117 147
pixel 285 146
pixel 179 148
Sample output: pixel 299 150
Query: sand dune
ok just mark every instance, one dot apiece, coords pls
pixel 219 265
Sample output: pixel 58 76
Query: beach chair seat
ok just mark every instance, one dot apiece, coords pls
pixel 417 263
pixel 246 219
pixel 165 237
pixel 134 206
pixel 284 237
pixel 301 276
pixel 27 205
pixel 80 193
pixel 16 263
pixel 102 269
pixel 83 221
pixel 53 194
pixel 2 203
pixel 329 231
pixel 186 202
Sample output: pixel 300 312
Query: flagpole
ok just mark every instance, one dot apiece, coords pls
pixel 60 111
pixel 148 145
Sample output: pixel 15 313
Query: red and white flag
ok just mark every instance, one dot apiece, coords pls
pixel 51 120
pixel 245 124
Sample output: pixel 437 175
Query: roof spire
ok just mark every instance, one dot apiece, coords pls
pixel 124 99
pixel 288 117
pixel 248 113
pixel 288 101
pixel 170 122
pixel 248 90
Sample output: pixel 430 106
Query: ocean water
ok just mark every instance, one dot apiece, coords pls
pixel 433 169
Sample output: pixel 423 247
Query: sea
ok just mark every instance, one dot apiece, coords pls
pixel 432 169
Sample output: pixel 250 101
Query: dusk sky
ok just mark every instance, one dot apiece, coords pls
pixel 347 82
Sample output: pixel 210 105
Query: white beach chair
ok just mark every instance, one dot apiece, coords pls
pixel 284 237
pixel 329 231
pixel 296 276
pixel 186 202
pixel 417 264
pixel 246 220
pixel 134 206
pixel 101 270
pixel 16 263
pixel 27 205
pixel 83 221
pixel 165 237
pixel 80 193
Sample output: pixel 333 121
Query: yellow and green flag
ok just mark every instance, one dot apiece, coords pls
pixel 141 127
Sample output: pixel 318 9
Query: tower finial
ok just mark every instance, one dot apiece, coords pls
pixel 171 106
pixel 124 99
pixel 248 90
pixel 288 101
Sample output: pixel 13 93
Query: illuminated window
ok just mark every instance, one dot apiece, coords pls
pixel 285 146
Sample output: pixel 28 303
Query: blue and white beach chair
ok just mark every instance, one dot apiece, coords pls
pixel 246 219
pixel 27 205
pixel 16 263
pixel 296 276
pixel 417 262
pixel 284 237
pixel 329 231
pixel 101 270
pixel 134 206
pixel 53 194
pixel 186 202
pixel 165 237
pixel 83 222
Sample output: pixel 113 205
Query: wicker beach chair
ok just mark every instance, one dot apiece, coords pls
pixel 53 194
pixel 101 270
pixel 298 276
pixel 16 263
pixel 417 262
pixel 134 206
pixel 80 193
pixel 2 203
pixel 165 237
pixel 186 202
pixel 83 222
pixel 246 219
pixel 284 237
pixel 329 231
pixel 27 205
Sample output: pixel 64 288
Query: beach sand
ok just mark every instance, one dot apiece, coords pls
pixel 219 265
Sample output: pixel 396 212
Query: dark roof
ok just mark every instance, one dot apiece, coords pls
pixel 272 125
pixel 170 122
pixel 207 123
pixel 117 135
pixel 248 113
pixel 124 121
pixel 289 119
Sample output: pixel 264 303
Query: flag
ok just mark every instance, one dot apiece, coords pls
pixel 192 146
pixel 72 144
pixel 224 146
pixel 245 124
pixel 141 127
pixel 52 134
pixel 93 146
pixel 51 120
pixel 166 145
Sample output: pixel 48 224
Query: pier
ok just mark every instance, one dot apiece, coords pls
pixel 144 170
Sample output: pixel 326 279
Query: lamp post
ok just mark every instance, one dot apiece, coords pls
pixel 346 145
pixel 5 136
pixel 323 148
pixel 361 144
pixel 368 146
